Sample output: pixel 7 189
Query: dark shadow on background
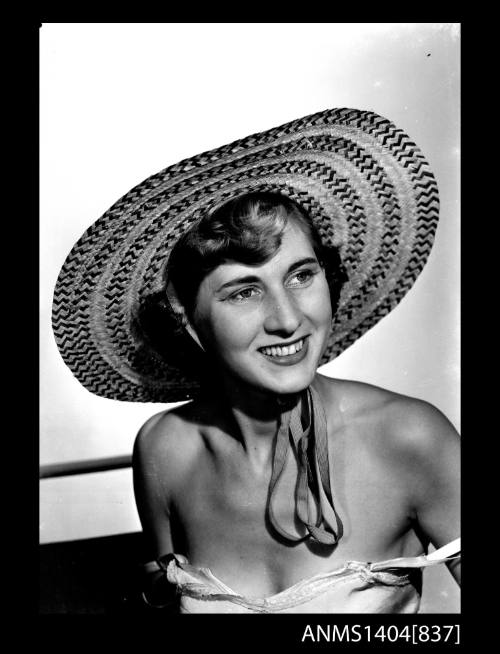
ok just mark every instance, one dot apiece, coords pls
pixel 92 576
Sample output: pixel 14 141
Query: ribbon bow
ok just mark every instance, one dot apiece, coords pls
pixel 315 434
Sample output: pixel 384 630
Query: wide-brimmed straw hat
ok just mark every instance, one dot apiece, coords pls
pixel 365 184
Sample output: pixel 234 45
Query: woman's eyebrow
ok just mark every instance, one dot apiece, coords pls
pixel 239 280
pixel 250 279
pixel 302 262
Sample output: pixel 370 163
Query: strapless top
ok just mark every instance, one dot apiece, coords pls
pixel 391 586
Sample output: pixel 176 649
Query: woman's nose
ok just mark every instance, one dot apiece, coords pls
pixel 283 315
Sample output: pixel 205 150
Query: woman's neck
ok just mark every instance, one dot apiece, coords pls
pixel 255 416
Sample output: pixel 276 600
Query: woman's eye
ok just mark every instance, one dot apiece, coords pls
pixel 301 277
pixel 244 294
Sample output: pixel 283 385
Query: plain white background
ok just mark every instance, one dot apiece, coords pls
pixel 121 101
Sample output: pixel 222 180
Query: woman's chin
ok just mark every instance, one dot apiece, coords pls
pixel 281 381
pixel 290 384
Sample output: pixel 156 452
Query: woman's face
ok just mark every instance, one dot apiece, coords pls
pixel 267 324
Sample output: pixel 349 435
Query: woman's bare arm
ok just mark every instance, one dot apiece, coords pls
pixel 434 479
pixel 150 469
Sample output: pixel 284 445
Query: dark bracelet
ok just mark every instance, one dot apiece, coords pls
pixel 158 564
pixel 164 560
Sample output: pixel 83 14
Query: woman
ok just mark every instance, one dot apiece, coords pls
pixel 229 278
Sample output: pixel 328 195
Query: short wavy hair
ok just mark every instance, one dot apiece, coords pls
pixel 248 229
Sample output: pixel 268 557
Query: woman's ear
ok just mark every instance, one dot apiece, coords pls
pixel 180 312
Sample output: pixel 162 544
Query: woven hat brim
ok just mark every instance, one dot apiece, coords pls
pixel 365 184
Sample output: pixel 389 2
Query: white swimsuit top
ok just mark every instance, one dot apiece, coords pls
pixel 384 587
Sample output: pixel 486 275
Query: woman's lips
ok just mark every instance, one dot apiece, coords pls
pixel 286 355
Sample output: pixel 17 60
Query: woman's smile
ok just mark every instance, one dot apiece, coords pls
pixel 267 325
pixel 286 354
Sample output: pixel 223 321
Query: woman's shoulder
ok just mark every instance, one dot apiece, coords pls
pixel 355 398
pixel 172 434
pixel 401 421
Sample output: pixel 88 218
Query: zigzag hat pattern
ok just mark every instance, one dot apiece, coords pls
pixel 366 185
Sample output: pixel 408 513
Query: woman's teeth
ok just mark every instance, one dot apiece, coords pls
pixel 283 351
